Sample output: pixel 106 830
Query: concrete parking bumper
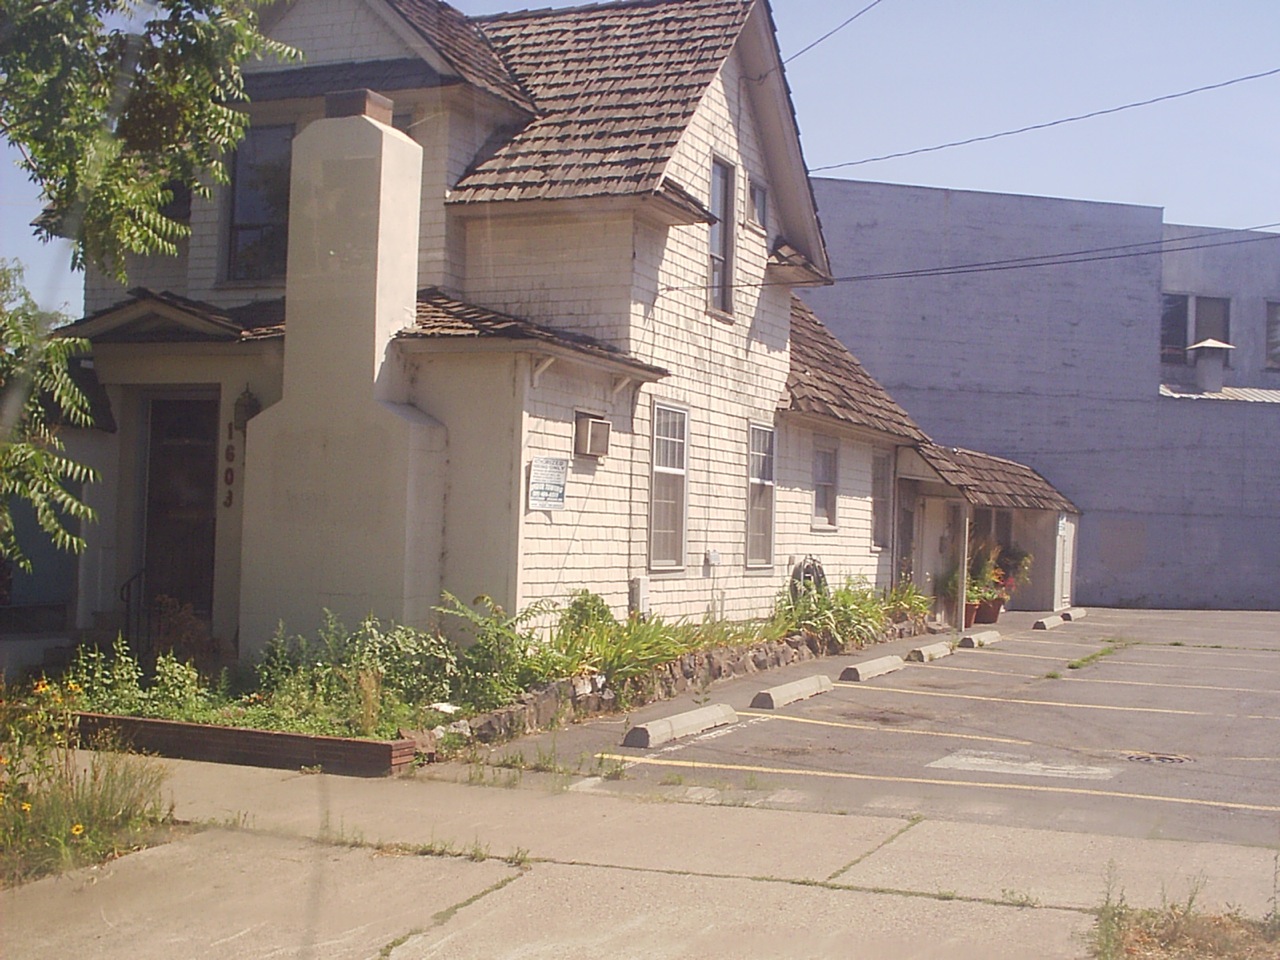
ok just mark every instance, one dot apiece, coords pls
pixel 783 694
pixel 657 732
pixel 872 668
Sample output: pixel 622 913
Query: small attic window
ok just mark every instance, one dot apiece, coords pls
pixel 759 206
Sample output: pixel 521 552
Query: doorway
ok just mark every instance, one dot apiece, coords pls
pixel 181 501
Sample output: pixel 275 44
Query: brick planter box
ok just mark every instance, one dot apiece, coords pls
pixel 255 748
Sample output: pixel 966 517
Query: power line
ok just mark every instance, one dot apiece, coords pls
pixel 1044 126
pixel 831 33
pixel 1122 251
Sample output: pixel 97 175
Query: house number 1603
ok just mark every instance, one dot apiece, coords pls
pixel 229 475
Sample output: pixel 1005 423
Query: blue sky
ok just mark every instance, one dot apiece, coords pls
pixel 914 73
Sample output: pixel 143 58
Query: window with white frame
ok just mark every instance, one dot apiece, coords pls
pixel 825 464
pixel 881 499
pixel 1273 335
pixel 668 488
pixel 721 266
pixel 1187 319
pixel 259 230
pixel 760 497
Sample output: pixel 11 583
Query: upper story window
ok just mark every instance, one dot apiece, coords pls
pixel 1273 335
pixel 721 271
pixel 259 232
pixel 759 212
pixel 1186 320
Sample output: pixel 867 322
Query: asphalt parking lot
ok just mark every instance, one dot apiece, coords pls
pixel 1131 723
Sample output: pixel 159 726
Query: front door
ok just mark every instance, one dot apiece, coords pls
pixel 182 477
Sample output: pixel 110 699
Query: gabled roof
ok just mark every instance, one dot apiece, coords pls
pixel 827 380
pixel 151 317
pixel 988 481
pixel 441 316
pixel 461 43
pixel 616 85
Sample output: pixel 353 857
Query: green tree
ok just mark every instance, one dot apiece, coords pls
pixel 114 102
pixel 37 396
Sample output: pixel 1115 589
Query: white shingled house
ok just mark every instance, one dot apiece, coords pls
pixel 495 305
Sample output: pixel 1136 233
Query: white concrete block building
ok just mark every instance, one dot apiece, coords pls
pixel 1062 334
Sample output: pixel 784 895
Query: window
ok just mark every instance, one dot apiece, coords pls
pixel 760 497
pixel 667 496
pixel 721 272
pixel 1273 335
pixel 759 203
pixel 994 525
pixel 1186 320
pixel 881 499
pixel 259 232
pixel 825 459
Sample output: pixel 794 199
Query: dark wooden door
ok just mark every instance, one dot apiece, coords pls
pixel 182 477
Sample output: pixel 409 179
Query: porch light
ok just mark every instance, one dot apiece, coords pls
pixel 247 407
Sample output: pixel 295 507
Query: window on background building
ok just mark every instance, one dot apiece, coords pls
pixel 825 459
pixel 1186 320
pixel 1273 335
pixel 881 499
pixel 667 496
pixel 721 272
pixel 992 524
pixel 259 233
pixel 760 497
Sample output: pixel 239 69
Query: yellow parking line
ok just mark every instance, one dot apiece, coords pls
pixel 878 729
pixel 1127 683
pixel 926 781
pixel 1052 703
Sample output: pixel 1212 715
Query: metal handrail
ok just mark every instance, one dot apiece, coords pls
pixel 137 618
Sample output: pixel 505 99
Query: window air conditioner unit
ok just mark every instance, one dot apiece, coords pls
pixel 591 437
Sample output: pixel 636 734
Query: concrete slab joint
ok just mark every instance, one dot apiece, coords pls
pixel 932 651
pixel 982 638
pixel 872 668
pixel 785 693
pixel 657 732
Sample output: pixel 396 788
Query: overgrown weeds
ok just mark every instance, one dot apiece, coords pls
pixel 54 813
pixel 1179 930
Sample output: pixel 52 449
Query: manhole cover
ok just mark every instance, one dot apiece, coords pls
pixel 1157 758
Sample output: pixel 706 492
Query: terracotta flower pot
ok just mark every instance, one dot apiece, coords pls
pixel 988 610
pixel 970 611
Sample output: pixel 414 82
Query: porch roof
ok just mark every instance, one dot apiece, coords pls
pixel 441 316
pixel 987 481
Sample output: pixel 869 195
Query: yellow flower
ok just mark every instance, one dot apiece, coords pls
pixel 1 799
pixel 73 687
pixel 26 808
pixel 77 829
pixel 4 761
pixel 41 687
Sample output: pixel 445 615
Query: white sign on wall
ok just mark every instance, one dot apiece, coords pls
pixel 547 477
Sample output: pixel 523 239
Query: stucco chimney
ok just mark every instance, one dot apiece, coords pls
pixel 343 485
pixel 353 247
pixel 1210 359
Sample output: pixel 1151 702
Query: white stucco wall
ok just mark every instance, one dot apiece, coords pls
pixel 1058 368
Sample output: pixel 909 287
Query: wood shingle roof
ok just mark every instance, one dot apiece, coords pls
pixel 615 86
pixel 828 381
pixel 988 481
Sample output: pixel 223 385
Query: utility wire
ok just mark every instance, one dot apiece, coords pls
pixel 1044 126
pixel 1119 252
pixel 831 33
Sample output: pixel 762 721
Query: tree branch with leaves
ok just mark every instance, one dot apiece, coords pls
pixel 37 397
pixel 114 102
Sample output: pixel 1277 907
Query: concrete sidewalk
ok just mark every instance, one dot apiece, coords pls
pixel 291 867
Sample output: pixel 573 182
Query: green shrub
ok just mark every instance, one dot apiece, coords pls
pixel 106 683
pixel 906 602
pixel 499 664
